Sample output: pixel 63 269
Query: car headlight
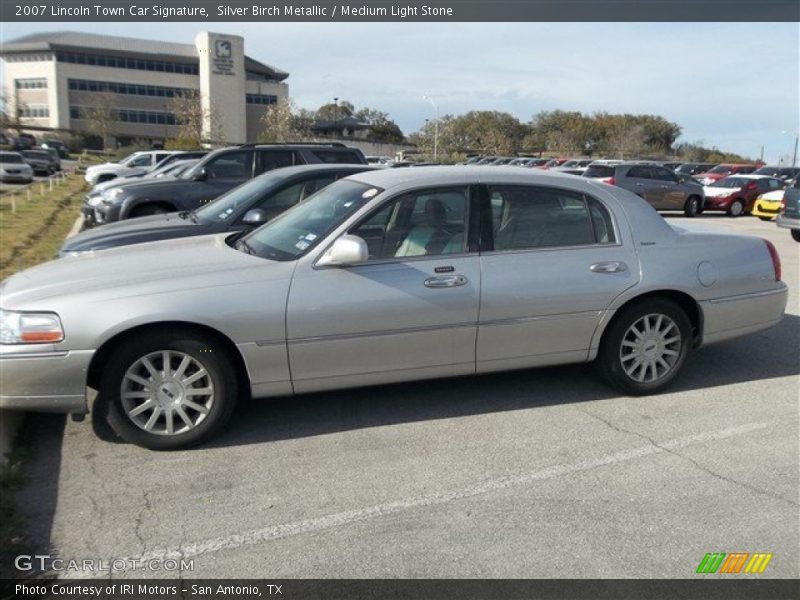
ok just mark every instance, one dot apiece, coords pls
pixel 94 200
pixel 30 328
pixel 111 195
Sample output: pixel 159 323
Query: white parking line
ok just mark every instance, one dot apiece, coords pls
pixel 294 528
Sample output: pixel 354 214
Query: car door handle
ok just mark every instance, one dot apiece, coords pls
pixel 445 281
pixel 608 267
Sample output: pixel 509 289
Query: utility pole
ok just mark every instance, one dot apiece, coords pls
pixel 435 128
pixel 794 157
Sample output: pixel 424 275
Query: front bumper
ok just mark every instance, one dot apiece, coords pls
pixel 766 209
pixel 106 213
pixel 22 177
pixel 722 203
pixel 788 222
pixel 44 381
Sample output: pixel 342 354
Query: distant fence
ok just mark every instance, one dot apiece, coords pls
pixel 29 191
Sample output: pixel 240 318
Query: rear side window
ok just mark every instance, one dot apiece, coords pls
pixel 337 156
pixel 662 174
pixel 599 171
pixel 641 172
pixel 231 165
pixel 275 159
pixel 538 217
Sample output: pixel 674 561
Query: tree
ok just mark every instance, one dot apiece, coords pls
pixel 333 111
pixel 486 132
pixel 381 127
pixel 196 124
pixel 282 122
pixel 562 132
pixel 100 116
pixel 10 112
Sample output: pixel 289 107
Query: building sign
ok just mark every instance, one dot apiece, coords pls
pixel 222 63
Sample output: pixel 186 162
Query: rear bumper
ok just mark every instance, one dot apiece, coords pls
pixel 788 222
pixel 44 381
pixel 734 316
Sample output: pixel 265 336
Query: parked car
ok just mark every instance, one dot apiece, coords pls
pixel 553 162
pixel 175 168
pixel 486 160
pixel 536 162
pixel 789 214
pixel 575 163
pixel 60 147
pixel 40 161
pixel 55 157
pixel 216 174
pixel 14 168
pixel 724 170
pixel 784 173
pixel 240 210
pixel 737 193
pixel 383 161
pixel 503 160
pixel 22 142
pixel 138 162
pixel 768 205
pixel 694 168
pixel 662 188
pixel 378 279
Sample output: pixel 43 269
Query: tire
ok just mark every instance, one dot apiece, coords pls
pixel 765 218
pixel 692 206
pixel 736 209
pixel 145 210
pixel 616 358
pixel 207 412
pixel 796 235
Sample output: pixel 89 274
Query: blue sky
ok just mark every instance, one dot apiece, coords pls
pixel 733 85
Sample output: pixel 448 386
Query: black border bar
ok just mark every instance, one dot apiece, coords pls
pixel 67 11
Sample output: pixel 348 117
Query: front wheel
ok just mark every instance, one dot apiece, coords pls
pixel 796 235
pixel 692 206
pixel 765 218
pixel 168 390
pixel 736 208
pixel 645 347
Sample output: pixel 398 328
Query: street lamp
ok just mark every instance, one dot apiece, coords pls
pixel 335 109
pixel 435 127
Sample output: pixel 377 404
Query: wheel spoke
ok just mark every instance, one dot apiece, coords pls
pixel 629 344
pixel 668 352
pixel 141 408
pixel 672 340
pixel 137 394
pixel 153 418
pixel 150 368
pixel 169 415
pixel 198 392
pixel 184 417
pixel 196 377
pixel 194 406
pixel 140 380
pixel 664 364
pixel 182 367
pixel 165 366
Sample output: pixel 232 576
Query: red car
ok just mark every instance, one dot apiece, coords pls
pixel 737 193
pixel 721 171
pixel 553 162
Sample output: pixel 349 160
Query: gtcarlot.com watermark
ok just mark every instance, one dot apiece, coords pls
pixel 37 563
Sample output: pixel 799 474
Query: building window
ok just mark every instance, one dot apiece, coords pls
pixel 34 111
pixel 261 99
pixel 31 84
pixel 83 58
pixel 85 85
pixel 126 115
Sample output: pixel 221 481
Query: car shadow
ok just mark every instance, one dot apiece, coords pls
pixel 767 355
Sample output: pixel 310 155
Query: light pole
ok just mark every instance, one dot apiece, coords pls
pixel 335 110
pixel 435 128
pixel 794 155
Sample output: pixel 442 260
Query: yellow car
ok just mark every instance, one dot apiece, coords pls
pixel 767 205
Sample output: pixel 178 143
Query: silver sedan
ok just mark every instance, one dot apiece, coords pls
pixel 385 276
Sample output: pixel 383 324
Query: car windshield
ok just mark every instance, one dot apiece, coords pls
pixel 731 182
pixel 299 229
pixel 36 154
pixel 7 157
pixel 721 169
pixel 226 206
pixel 128 158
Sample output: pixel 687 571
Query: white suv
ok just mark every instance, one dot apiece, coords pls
pixel 135 164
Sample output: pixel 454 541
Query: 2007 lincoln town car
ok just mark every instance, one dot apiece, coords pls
pixel 383 276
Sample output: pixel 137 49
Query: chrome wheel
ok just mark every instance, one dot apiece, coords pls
pixel 650 348
pixel 167 392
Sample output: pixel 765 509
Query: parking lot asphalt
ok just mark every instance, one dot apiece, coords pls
pixel 536 473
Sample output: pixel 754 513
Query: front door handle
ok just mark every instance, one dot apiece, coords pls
pixel 608 267
pixel 445 281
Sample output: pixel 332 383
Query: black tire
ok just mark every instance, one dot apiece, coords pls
pixel 736 209
pixel 220 377
pixel 692 206
pixel 146 210
pixel 796 235
pixel 609 361
pixel 765 218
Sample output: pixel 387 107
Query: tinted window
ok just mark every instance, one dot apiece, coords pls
pixel 337 156
pixel 289 196
pixel 230 165
pixel 641 172
pixel 599 171
pixel 275 159
pixel 533 217
pixel 10 158
pixel 422 223
pixel 662 174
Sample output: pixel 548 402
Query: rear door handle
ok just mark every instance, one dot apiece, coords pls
pixel 445 281
pixel 608 267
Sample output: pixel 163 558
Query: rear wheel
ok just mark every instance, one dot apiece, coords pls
pixel 796 235
pixel 168 390
pixel 692 206
pixel 645 347
pixel 736 208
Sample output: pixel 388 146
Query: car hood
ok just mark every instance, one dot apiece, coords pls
pixel 104 165
pixel 141 270
pixel 135 231
pixel 22 166
pixel 136 185
pixel 719 192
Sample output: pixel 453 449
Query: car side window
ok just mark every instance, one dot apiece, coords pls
pixel 294 193
pixel 275 159
pixel 142 160
pixel 538 217
pixel 640 172
pixel 774 184
pixel 421 223
pixel 337 156
pixel 238 165
pixel 663 174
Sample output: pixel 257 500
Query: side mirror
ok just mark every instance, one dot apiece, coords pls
pixel 255 217
pixel 347 250
pixel 201 175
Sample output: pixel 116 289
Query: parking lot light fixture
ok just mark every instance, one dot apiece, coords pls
pixel 435 128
